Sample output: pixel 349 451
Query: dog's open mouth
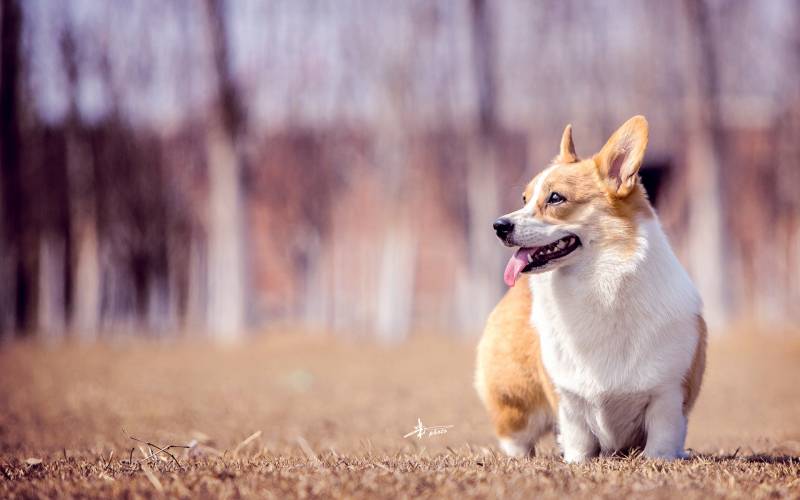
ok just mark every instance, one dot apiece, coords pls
pixel 527 259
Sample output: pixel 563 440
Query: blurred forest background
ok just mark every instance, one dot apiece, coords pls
pixel 184 167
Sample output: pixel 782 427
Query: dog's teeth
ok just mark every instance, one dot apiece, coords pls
pixel 562 244
pixel 530 257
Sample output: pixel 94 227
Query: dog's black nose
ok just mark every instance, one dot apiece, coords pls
pixel 503 227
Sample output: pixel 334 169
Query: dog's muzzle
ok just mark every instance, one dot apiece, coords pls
pixel 503 227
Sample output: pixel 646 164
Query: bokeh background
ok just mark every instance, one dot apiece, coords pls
pixel 210 168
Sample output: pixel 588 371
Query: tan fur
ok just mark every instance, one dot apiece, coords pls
pixel 586 189
pixel 567 150
pixel 694 377
pixel 510 377
pixel 622 155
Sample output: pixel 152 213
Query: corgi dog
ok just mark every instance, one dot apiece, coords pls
pixel 601 336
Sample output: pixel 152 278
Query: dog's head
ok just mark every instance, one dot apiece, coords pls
pixel 575 208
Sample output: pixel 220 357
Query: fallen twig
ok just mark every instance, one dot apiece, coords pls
pixel 159 449
pixel 312 456
pixel 247 441
pixel 152 478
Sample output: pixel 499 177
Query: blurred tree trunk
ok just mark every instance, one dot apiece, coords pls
pixel 397 256
pixel 225 158
pixel 389 296
pixel 85 318
pixel 316 289
pixel 51 285
pixel 481 287
pixel 704 156
pixel 786 158
pixel 396 282
pixel 53 255
pixel 19 246
pixel 196 284
pixel 82 196
pixel 53 280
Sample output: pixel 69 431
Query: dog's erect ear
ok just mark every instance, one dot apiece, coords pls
pixel 621 157
pixel 566 153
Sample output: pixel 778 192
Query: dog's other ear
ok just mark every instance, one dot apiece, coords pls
pixel 621 157
pixel 566 153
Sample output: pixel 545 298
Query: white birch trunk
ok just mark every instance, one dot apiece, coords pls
pixel 482 200
pixel 396 284
pixel 225 253
pixel 316 305
pixel 484 285
pixel 197 284
pixel 85 318
pixel 706 251
pixel 86 283
pixel 51 293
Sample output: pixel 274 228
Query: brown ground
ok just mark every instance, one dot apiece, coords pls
pixel 332 416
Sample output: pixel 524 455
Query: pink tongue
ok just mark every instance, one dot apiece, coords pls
pixel 516 264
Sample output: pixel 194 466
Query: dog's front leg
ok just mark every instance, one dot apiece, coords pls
pixel 666 425
pixel 574 436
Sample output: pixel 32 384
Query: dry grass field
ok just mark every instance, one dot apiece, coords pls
pixel 307 416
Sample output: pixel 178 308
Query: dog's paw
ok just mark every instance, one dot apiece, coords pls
pixel 515 448
pixel 576 457
pixel 668 455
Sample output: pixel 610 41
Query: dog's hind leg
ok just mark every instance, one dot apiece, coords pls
pixel 510 377
pixel 522 441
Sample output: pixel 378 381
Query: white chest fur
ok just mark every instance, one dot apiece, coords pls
pixel 617 325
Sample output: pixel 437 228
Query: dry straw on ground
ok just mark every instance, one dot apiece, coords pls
pixel 310 417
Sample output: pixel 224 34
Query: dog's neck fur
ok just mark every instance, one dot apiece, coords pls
pixel 610 278
pixel 614 305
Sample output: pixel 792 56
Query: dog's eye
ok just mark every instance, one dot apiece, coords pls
pixel 555 199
